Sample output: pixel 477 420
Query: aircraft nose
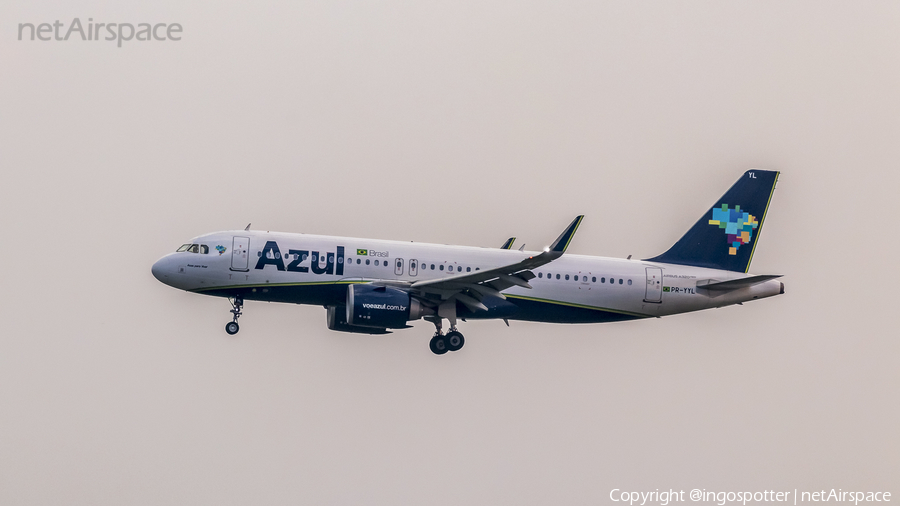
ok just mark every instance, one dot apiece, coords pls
pixel 160 270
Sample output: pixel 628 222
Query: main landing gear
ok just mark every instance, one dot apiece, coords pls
pixel 441 343
pixel 237 303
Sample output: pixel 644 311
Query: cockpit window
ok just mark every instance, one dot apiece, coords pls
pixel 194 248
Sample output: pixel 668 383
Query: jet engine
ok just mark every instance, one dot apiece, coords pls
pixel 337 320
pixel 382 307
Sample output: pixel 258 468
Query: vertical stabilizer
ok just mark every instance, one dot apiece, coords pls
pixel 725 236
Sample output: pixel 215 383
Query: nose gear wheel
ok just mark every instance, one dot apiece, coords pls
pixel 237 303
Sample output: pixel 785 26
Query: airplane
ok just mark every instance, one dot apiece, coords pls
pixel 373 286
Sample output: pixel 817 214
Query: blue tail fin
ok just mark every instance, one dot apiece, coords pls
pixel 725 237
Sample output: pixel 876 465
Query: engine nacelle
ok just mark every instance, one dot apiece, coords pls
pixel 337 320
pixel 381 307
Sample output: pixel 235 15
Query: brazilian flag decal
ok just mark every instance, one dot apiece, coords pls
pixel 665 288
pixel 362 252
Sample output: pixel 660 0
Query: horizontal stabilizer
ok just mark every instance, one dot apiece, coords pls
pixel 734 284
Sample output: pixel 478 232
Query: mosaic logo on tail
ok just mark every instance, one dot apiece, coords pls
pixel 738 226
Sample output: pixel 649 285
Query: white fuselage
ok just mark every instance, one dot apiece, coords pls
pixel 240 261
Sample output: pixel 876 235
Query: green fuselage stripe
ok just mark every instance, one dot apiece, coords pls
pixel 321 283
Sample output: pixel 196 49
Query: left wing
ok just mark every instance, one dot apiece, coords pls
pixel 469 289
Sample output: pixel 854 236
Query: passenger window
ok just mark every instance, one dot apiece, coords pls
pixel 629 281
pixel 540 274
pixel 468 269
pixel 367 261
pixel 432 266
pixel 184 247
pixel 376 263
pixel 594 279
pixel 441 267
pixel 567 277
pixel 357 260
pixel 603 280
pixel 620 281
pixel 557 276
pixel 459 268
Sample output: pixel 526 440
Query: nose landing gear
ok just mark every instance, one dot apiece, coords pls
pixel 237 303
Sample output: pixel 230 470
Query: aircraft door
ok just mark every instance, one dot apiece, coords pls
pixel 413 266
pixel 240 254
pixel 654 285
pixel 398 266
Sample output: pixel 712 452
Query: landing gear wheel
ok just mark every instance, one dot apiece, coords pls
pixel 438 344
pixel 232 328
pixel 455 340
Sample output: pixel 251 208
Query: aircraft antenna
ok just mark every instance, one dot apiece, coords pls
pixel 247 227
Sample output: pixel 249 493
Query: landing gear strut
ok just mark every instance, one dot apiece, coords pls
pixel 232 327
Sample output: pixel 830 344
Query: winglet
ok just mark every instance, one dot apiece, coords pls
pixel 562 242
pixel 508 244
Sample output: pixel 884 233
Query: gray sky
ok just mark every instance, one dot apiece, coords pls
pixel 458 123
